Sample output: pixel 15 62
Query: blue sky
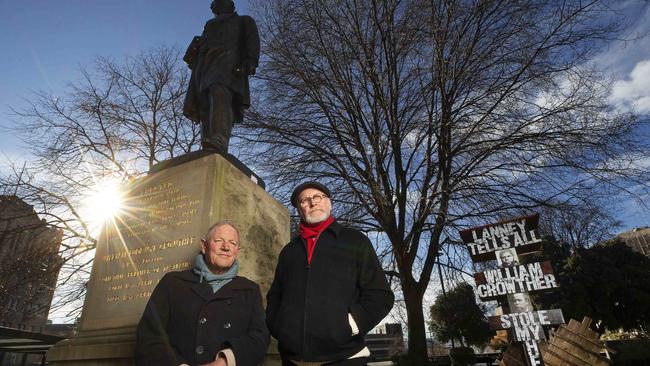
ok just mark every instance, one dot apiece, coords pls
pixel 44 43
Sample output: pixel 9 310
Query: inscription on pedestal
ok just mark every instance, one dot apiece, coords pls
pixel 157 231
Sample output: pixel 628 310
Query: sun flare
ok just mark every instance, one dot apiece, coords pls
pixel 103 203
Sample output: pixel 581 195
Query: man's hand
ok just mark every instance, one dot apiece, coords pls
pixel 220 361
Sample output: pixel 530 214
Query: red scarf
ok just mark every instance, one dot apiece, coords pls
pixel 311 232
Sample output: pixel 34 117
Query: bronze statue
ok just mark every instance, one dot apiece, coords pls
pixel 221 59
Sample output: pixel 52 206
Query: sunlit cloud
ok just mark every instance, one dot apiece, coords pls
pixel 634 91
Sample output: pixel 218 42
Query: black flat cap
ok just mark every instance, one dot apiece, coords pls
pixel 305 185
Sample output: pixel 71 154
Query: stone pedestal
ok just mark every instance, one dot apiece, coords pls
pixel 165 215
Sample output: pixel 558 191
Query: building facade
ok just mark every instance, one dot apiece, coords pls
pixel 29 266
pixel 638 239
pixel 387 341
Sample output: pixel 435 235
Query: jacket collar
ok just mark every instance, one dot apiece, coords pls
pixel 205 291
pixel 222 17
pixel 335 228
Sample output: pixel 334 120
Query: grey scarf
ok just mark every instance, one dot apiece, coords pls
pixel 216 281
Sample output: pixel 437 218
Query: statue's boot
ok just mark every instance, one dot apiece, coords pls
pixel 215 144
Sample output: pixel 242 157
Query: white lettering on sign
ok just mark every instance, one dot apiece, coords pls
pixel 526 319
pixel 529 332
pixel 502 236
pixel 521 278
pixel 532 353
pixel 512 286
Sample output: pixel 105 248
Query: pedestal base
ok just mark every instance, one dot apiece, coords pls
pixel 166 214
pixel 114 347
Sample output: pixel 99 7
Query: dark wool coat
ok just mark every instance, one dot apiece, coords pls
pixel 184 322
pixel 308 305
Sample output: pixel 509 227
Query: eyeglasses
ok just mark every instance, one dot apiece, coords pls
pixel 315 199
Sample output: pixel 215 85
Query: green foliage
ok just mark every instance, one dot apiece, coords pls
pixel 457 316
pixel 631 352
pixel 609 283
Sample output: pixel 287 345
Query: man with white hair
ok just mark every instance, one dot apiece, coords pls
pixel 508 258
pixel 520 303
pixel 206 315
pixel 329 288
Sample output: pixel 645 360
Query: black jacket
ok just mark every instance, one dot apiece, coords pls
pixel 307 306
pixel 184 322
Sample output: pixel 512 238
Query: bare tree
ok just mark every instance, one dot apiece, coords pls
pixel 427 116
pixel 579 225
pixel 119 120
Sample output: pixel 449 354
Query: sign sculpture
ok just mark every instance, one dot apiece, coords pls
pixel 504 242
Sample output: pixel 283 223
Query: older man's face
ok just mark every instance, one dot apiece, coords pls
pixel 521 303
pixel 314 206
pixel 220 248
pixel 507 258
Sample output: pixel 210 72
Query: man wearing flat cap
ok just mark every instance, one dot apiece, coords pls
pixel 329 289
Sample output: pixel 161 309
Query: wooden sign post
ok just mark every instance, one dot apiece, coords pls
pixel 504 242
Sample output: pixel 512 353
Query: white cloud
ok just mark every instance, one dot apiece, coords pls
pixel 634 91
pixel 632 45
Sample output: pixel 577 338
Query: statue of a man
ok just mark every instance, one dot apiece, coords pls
pixel 221 60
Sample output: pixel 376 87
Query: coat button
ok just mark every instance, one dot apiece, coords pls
pixel 203 320
pixel 199 350
pixel 227 325
pixel 228 302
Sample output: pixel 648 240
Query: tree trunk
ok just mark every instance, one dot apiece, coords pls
pixel 416 329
